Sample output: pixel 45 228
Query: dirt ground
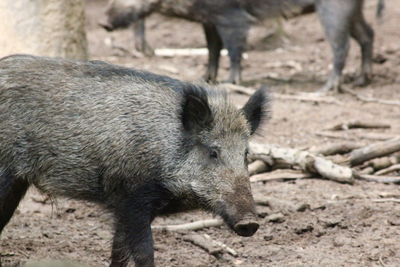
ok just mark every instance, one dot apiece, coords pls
pixel 342 227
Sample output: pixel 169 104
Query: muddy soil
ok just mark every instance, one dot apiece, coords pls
pixel 343 226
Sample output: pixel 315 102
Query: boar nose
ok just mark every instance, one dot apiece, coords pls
pixel 247 226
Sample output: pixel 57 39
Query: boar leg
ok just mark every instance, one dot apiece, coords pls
pixel 141 44
pixel 336 26
pixel 134 213
pixel 11 192
pixel 234 39
pixel 133 241
pixel 214 45
pixel 364 35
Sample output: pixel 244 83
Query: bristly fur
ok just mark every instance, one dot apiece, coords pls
pixel 137 143
pixel 257 109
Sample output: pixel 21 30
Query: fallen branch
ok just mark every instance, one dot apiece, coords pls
pixel 390 169
pixel 173 52
pixel 279 175
pixel 303 98
pixel 383 162
pixel 355 136
pixel 308 162
pixel 333 149
pixel 369 99
pixel 386 200
pixel 360 155
pixel 190 226
pixel 203 243
pixel 222 245
pixel 377 178
pixel 358 124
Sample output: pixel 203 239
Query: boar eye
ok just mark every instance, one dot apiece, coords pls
pixel 213 153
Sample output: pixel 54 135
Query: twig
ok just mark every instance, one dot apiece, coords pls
pixel 308 98
pixel 304 98
pixel 378 200
pixel 203 243
pixel 369 99
pixel 279 175
pixel 189 226
pixel 355 136
pixel 381 261
pixel 380 149
pixel 358 124
pixel 377 178
pixel 392 168
pixel 173 52
pixel 222 245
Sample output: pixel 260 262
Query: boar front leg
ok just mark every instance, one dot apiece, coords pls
pixel 134 213
pixel 133 241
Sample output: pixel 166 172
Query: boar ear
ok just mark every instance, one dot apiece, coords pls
pixel 196 112
pixel 256 110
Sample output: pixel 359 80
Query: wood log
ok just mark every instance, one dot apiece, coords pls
pixel 43 27
pixel 332 149
pixel 257 166
pixel 308 162
pixel 383 162
pixel 380 149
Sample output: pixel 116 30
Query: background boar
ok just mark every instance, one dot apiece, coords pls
pixel 226 23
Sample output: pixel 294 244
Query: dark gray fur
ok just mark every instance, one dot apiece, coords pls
pixel 137 143
pixel 226 24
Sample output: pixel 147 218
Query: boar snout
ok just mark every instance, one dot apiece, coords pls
pixel 248 226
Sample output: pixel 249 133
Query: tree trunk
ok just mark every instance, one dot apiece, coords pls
pixel 53 28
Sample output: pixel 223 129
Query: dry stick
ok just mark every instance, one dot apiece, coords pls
pixel 203 243
pixel 354 136
pixel 392 168
pixel 380 149
pixel 306 161
pixel 173 52
pixel 358 124
pixel 249 91
pixel 333 149
pixel 377 178
pixel 369 99
pixel 222 245
pixel 190 226
pixel 386 200
pixel 279 175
